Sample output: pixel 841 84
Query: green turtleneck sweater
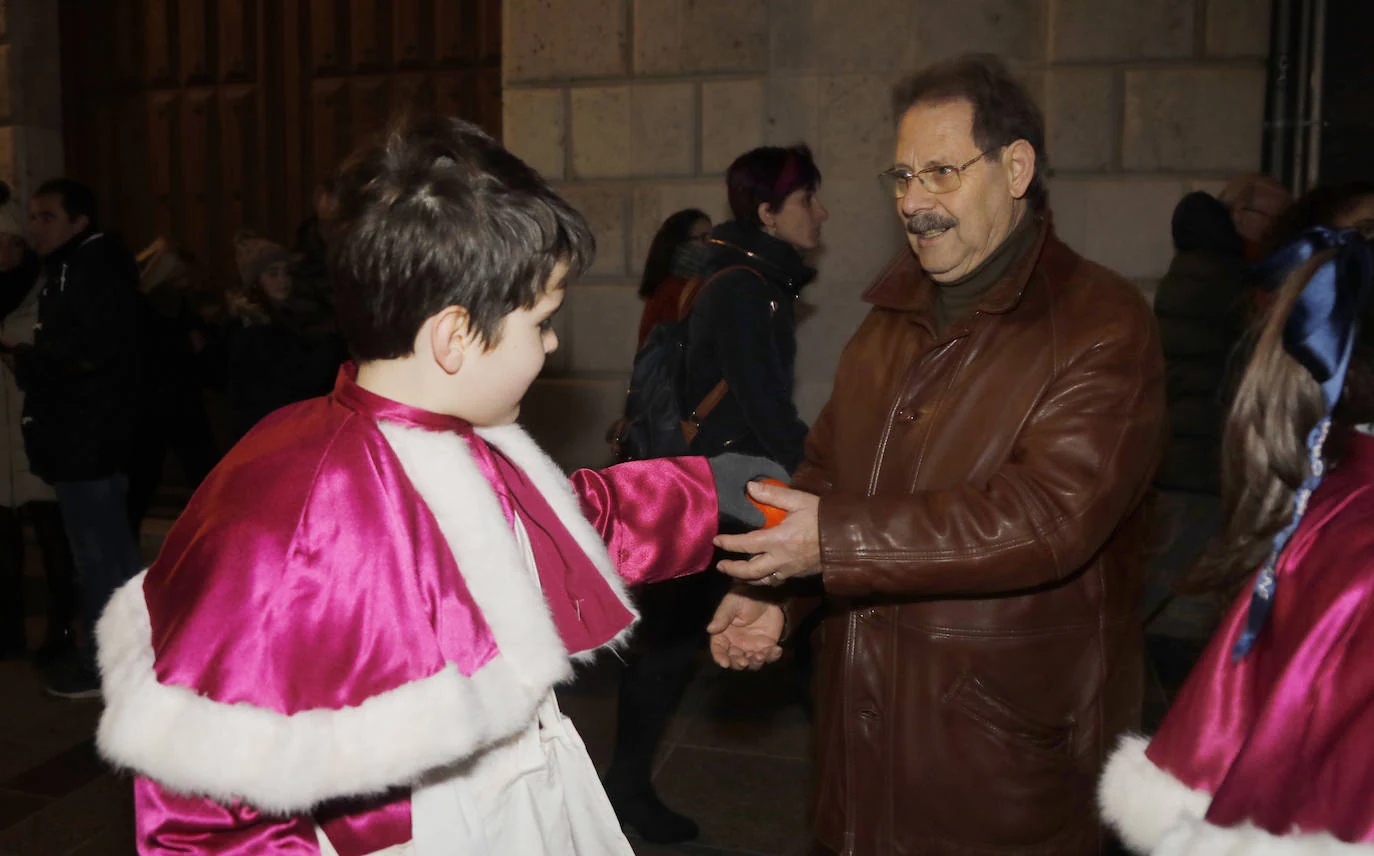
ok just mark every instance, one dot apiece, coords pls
pixel 956 299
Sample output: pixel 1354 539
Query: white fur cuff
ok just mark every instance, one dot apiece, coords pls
pixel 1142 802
pixel 1195 837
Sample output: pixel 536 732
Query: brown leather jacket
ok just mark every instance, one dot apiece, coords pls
pixel 981 531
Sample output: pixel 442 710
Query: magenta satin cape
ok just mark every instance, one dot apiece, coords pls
pixel 307 574
pixel 1284 739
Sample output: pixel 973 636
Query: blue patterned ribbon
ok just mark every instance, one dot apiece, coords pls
pixel 1320 334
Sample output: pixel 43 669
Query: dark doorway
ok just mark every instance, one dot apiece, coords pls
pixel 193 118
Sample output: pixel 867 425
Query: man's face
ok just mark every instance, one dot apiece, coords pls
pixel 49 225
pixel 953 233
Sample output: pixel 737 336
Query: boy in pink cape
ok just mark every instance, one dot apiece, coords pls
pixel 350 640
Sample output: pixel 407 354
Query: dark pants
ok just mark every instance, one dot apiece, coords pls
pixel 46 520
pixel 660 664
pixel 104 549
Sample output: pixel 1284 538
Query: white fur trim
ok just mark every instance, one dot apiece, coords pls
pixel 289 764
pixel 443 472
pixel 1195 837
pixel 553 484
pixel 1141 801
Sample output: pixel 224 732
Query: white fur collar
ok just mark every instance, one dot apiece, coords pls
pixel 289 764
pixel 555 487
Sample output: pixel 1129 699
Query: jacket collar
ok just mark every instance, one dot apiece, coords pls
pixel 904 286
pixel 57 257
pixel 355 398
pixel 732 243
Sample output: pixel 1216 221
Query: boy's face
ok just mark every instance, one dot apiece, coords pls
pixel 497 379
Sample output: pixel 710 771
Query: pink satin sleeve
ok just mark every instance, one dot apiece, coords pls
pixel 169 823
pixel 657 517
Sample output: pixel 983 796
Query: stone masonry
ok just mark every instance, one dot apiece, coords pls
pixel 635 107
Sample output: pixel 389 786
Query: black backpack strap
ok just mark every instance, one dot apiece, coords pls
pixel 691 426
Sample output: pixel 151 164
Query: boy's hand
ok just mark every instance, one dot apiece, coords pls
pixel 733 473
pixel 745 632
pixel 790 549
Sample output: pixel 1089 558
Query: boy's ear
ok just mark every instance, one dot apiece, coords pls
pixel 450 337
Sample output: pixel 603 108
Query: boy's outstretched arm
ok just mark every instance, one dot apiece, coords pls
pixel 658 517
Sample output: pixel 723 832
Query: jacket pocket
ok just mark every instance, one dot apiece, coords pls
pixel 992 777
pixel 1002 720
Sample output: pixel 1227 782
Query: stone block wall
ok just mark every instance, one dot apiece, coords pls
pixel 30 94
pixel 635 108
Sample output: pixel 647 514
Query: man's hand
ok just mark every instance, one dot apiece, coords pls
pixel 790 549
pixel 745 632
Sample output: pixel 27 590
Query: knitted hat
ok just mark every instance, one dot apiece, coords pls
pixel 255 255
pixel 12 219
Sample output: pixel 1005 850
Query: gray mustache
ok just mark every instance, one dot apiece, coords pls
pixel 925 221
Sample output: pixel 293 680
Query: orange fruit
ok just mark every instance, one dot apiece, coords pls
pixel 772 516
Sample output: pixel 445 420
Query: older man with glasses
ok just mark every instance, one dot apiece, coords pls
pixel 972 505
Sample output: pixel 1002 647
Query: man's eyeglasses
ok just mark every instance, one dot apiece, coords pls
pixel 935 179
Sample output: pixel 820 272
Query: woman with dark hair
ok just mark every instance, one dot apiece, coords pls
pixel 675 258
pixel 1267 747
pixel 742 333
pixel 741 348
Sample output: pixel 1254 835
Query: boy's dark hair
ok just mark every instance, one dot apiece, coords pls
pixel 1003 111
pixel 437 214
pixel 768 175
pixel 78 200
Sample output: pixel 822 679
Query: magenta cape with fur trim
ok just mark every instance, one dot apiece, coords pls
pixel 343 608
pixel 1273 755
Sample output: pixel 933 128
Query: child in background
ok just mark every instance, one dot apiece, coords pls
pixel 1267 748
pixel 349 642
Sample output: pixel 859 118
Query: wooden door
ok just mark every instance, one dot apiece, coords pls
pixel 193 118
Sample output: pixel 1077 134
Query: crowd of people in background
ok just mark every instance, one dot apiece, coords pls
pixel 111 362
pixel 1014 441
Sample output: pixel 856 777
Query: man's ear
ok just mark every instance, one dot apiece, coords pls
pixel 450 337
pixel 82 223
pixel 1018 162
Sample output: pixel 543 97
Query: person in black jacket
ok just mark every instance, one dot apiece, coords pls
pixel 741 333
pixel 79 379
pixel 742 329
pixel 1203 307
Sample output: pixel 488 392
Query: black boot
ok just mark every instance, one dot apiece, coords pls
pixel 646 814
pixel 651 686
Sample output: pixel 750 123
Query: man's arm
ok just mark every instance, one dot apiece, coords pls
pixel 815 474
pixel 1082 463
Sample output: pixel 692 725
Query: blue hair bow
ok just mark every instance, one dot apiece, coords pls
pixel 1320 334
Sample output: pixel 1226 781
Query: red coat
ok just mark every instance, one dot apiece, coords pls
pixel 661 307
